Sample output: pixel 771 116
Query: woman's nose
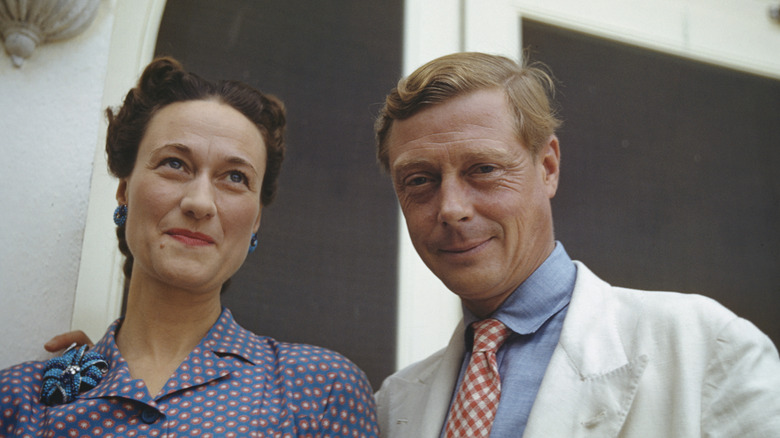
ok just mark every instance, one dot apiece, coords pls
pixel 198 200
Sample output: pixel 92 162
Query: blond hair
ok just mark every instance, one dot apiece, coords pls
pixel 529 90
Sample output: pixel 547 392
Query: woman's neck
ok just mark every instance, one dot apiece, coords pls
pixel 161 327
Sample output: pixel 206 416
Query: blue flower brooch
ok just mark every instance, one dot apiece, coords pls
pixel 74 372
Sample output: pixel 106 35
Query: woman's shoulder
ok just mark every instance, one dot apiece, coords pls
pixel 295 356
pixel 300 358
pixel 311 363
pixel 20 388
pixel 21 378
pixel 320 383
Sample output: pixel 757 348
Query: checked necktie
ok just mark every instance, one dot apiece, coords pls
pixel 471 416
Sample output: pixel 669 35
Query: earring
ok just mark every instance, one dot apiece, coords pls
pixel 120 215
pixel 252 243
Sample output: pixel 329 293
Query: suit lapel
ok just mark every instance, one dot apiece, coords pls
pixel 592 379
pixel 420 406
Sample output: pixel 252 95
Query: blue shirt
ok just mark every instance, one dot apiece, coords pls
pixel 534 313
pixel 234 383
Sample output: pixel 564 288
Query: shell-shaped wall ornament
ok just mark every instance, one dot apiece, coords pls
pixel 26 24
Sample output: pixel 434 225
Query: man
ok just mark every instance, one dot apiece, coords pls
pixel 469 142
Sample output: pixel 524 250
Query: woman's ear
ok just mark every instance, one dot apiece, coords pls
pixel 257 222
pixel 121 192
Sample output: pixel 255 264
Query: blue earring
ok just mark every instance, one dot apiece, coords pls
pixel 253 243
pixel 120 215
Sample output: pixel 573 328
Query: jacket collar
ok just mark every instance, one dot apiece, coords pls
pixel 420 404
pixel 587 390
pixel 592 379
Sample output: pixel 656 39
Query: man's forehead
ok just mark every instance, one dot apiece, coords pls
pixel 455 153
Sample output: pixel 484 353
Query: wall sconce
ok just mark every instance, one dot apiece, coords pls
pixel 774 12
pixel 26 24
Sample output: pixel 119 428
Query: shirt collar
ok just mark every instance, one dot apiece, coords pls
pixel 538 298
pixel 225 338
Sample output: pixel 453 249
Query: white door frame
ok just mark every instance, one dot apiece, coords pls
pixel 99 289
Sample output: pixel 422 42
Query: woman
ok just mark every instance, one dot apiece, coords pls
pixel 196 162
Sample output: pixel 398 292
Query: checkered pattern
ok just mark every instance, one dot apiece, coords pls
pixel 471 416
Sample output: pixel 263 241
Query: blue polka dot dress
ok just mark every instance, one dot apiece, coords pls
pixel 233 384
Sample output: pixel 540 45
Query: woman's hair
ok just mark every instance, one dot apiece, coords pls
pixel 164 82
pixel 528 89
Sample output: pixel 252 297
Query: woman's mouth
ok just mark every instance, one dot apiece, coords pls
pixel 191 238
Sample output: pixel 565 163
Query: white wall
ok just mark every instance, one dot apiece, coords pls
pixel 51 131
pixel 49 126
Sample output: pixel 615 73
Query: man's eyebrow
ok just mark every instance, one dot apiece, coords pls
pixel 488 154
pixel 408 165
pixel 413 162
pixel 482 154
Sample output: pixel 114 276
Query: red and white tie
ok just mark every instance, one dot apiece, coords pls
pixel 475 405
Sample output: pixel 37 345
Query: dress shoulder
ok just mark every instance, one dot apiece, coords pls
pixel 21 380
pixel 319 366
pixel 20 405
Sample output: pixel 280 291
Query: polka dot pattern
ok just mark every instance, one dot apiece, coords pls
pixel 233 384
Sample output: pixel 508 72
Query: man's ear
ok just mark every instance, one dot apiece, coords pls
pixel 550 159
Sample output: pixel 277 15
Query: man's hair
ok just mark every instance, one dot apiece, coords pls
pixel 529 90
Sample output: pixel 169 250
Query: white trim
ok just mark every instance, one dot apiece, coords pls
pixel 427 310
pixel 738 34
pixel 99 290
pixel 492 26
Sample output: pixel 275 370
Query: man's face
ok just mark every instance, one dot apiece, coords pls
pixel 476 202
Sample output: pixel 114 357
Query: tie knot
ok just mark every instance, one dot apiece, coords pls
pixel 489 334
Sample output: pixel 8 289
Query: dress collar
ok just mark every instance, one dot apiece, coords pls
pixel 209 360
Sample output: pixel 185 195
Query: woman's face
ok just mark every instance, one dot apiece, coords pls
pixel 193 197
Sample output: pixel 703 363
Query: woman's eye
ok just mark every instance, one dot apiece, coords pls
pixel 173 163
pixel 237 177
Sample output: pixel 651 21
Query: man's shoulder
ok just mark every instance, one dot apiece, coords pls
pixel 420 370
pixel 649 305
pixel 424 370
pixel 688 326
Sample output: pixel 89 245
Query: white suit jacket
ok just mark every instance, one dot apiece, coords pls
pixel 628 364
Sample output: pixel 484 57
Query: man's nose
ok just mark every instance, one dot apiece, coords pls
pixel 456 203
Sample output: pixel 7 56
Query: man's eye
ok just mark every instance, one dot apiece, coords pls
pixel 485 168
pixel 416 181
